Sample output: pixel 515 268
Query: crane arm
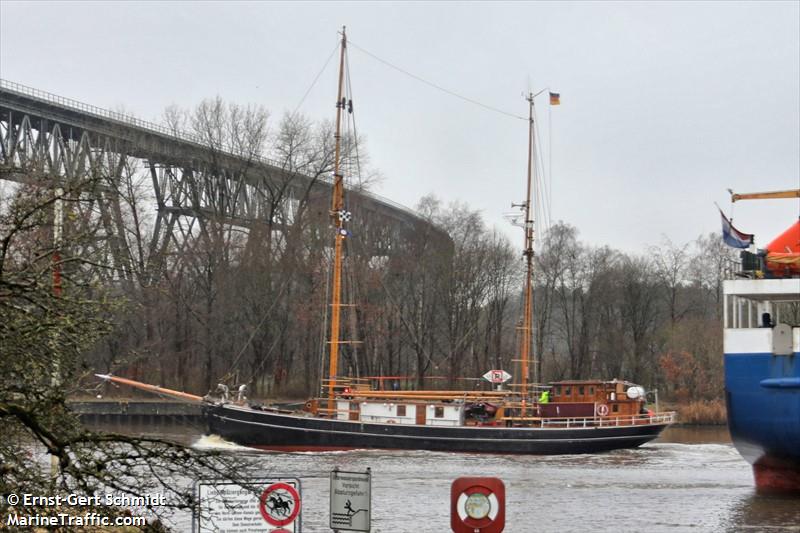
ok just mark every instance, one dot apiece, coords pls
pixel 791 193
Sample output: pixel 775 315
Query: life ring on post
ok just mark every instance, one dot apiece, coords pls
pixel 602 409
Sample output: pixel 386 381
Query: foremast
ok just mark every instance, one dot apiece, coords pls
pixel 338 219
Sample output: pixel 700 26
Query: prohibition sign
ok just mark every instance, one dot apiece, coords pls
pixel 279 504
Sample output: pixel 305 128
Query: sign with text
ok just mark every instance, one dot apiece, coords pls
pixel 254 505
pixel 350 500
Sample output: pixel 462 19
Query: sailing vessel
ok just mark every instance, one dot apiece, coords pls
pixel 577 417
pixel 561 417
pixel 762 357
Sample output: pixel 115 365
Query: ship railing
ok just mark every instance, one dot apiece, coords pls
pixel 597 421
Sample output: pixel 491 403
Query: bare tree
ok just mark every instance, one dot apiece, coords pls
pixel 47 324
pixel 639 311
pixel 671 265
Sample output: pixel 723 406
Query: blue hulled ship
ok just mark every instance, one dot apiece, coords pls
pixel 762 371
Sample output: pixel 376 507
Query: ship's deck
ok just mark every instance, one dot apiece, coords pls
pixel 772 290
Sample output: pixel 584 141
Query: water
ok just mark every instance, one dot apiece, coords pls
pixel 690 479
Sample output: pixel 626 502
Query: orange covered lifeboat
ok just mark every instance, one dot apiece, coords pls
pixel 783 253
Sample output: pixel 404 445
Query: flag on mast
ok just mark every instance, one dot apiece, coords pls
pixel 555 98
pixel 732 236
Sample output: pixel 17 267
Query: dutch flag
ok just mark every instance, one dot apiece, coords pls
pixel 732 236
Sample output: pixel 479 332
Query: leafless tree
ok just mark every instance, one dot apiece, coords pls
pixel 47 324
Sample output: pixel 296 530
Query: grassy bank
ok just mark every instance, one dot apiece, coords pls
pixel 702 412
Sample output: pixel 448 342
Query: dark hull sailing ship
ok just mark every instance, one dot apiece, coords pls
pixel 559 418
pixel 272 429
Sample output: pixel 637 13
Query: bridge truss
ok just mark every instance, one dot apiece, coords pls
pixel 55 142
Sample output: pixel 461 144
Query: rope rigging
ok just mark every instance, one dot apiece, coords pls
pixel 543 198
pixel 438 87
pixel 313 83
pixel 350 172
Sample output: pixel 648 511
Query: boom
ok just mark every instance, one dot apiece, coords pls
pixel 791 193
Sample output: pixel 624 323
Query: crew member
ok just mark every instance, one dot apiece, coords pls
pixel 544 397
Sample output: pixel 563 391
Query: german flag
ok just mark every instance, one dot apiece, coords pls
pixel 555 99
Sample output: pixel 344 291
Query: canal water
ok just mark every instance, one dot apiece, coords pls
pixel 690 479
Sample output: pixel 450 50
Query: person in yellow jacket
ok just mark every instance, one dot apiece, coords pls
pixel 544 397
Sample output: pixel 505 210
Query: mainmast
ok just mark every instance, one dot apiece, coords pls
pixel 338 219
pixel 527 322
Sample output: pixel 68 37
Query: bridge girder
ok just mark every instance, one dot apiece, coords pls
pixel 49 139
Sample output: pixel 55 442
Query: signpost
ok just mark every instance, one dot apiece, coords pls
pixel 255 505
pixel 350 500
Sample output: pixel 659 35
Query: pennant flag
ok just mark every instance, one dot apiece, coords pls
pixel 555 99
pixel 732 236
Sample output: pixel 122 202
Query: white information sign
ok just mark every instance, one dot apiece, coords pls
pixel 350 501
pixel 254 506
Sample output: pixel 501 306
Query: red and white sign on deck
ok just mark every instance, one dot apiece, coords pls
pixel 497 376
pixel 477 505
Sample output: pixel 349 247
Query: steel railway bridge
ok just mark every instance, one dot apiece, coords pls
pixel 54 140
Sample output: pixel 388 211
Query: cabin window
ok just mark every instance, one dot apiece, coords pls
pixel 591 391
pixel 581 390
pixel 401 410
pixel 567 391
pixel 438 411
pixel 615 408
pixel 354 406
pixel 557 390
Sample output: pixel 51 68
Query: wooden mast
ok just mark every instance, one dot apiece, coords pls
pixel 527 324
pixel 337 207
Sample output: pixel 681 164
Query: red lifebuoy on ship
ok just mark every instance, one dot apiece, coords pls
pixel 602 409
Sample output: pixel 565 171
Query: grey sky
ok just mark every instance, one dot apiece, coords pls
pixel 664 105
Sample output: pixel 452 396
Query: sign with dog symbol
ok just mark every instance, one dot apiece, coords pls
pixel 350 500
pixel 279 504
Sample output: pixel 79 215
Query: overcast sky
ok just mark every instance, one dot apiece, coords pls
pixel 664 105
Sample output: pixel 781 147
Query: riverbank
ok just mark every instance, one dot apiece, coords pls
pixel 701 413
